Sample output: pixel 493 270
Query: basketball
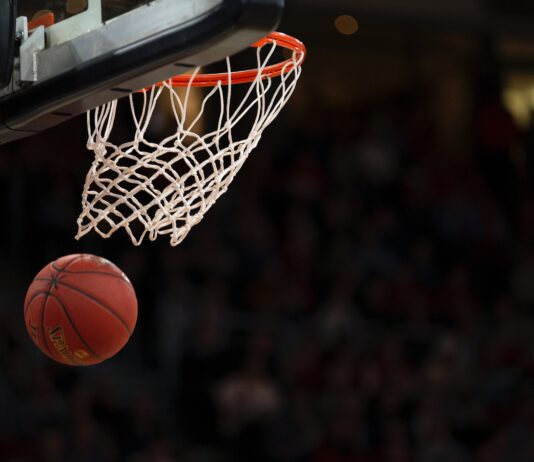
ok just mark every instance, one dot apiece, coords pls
pixel 80 310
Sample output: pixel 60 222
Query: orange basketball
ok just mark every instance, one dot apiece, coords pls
pixel 80 310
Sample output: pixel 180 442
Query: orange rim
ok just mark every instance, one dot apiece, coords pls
pixel 274 70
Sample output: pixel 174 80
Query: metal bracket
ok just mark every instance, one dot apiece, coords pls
pixel 28 55
pixel 21 30
pixel 76 25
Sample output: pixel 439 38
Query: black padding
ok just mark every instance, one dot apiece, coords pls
pixel 8 16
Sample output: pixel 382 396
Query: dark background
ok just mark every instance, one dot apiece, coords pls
pixel 363 293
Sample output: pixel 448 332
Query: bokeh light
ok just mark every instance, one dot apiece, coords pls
pixel 346 24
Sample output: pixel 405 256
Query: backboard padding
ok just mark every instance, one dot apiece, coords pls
pixel 7 40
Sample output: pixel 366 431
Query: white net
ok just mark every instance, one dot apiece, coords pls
pixel 165 188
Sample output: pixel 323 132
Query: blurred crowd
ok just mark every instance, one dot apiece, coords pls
pixel 361 294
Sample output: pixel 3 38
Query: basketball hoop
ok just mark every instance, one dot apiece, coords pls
pixel 165 188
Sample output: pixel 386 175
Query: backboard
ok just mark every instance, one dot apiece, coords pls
pixel 71 56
